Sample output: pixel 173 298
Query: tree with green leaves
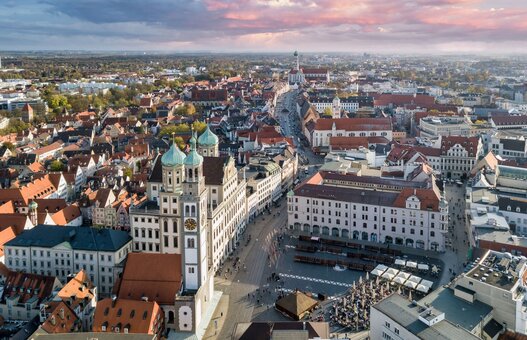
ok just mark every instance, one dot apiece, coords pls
pixel 328 112
pixel 186 110
pixel 199 127
pixel 57 101
pixel 10 146
pixel 15 126
pixel 168 130
pixel 127 172
pixel 56 165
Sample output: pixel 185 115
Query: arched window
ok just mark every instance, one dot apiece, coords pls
pixel 191 243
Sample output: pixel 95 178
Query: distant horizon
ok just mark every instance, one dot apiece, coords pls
pixel 488 27
pixel 5 53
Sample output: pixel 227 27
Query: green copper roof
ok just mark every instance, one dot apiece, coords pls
pixel 174 156
pixel 33 205
pixel 193 158
pixel 208 138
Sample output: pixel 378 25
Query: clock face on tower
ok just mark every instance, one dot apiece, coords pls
pixel 190 224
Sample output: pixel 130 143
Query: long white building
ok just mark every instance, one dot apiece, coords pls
pixel 370 209
pixel 61 251
pixel 324 129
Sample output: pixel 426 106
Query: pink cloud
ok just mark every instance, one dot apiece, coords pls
pixel 328 24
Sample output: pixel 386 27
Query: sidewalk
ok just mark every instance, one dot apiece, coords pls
pixel 218 319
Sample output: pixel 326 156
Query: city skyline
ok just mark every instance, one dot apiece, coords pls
pixel 437 26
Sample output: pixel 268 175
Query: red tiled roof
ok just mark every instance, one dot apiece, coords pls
pixel 27 286
pixel 428 198
pixel 156 276
pixel 346 143
pixel 62 319
pixel 209 95
pixel 137 316
pixel 468 143
pixel 6 235
pixel 403 99
pixel 66 215
pixel 509 120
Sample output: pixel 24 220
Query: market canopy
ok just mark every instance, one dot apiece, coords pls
pixel 399 262
pixel 296 305
pixel 398 279
pixel 411 264
pixel 403 275
pixel 410 284
pixel 427 283
pixel 381 267
pixel 388 276
pixel 414 278
pixel 422 288
pixel 422 266
pixel 392 271
pixel 377 272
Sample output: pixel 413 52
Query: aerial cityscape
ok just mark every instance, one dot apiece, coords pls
pixel 257 170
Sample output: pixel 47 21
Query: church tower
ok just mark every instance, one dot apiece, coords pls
pixel 194 219
pixel 173 176
pixel 208 143
pixel 336 107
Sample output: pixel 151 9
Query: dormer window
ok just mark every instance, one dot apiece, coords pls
pixel 518 209
pixel 509 208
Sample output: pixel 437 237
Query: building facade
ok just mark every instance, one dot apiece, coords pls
pixel 63 251
pixel 385 211
pixel 350 127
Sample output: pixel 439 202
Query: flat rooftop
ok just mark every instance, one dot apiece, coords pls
pixel 406 313
pixel 494 278
pixel 500 236
pixel 495 270
pixel 457 310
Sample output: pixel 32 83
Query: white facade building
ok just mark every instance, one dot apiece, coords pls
pixel 370 209
pixel 350 127
pixel 459 155
pixel 265 178
pixel 62 251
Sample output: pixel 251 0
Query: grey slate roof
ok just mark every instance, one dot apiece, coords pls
pixel 504 202
pixel 347 194
pixel 78 238
pixel 157 174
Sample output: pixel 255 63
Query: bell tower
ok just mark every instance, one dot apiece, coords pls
pixel 208 143
pixel 194 221
pixel 173 176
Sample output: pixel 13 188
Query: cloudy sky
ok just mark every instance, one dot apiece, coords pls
pixel 402 26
